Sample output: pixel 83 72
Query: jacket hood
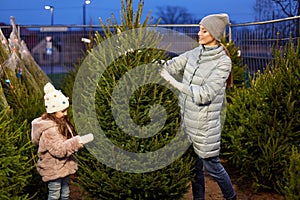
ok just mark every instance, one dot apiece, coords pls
pixel 38 126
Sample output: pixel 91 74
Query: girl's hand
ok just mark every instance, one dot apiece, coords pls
pixel 86 138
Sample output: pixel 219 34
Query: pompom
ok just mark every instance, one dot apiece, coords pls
pixel 49 88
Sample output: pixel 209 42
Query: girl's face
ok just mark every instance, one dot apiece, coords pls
pixel 61 114
pixel 206 38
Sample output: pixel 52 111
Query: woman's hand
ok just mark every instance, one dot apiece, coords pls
pixel 180 86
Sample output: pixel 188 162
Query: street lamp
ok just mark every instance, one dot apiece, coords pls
pixel 51 8
pixel 86 2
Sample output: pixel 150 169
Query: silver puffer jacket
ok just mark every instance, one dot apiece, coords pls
pixel 205 71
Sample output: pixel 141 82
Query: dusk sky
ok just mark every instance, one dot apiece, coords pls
pixel 32 12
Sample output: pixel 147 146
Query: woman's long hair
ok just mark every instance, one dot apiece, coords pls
pixel 62 123
pixel 229 82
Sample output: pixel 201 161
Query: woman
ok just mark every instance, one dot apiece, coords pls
pixel 55 137
pixel 205 72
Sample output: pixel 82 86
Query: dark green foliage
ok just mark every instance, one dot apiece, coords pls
pixel 238 71
pixel 26 103
pixel 58 79
pixel 20 102
pixel 101 181
pixel 15 162
pixel 292 189
pixel 262 122
pixel 23 94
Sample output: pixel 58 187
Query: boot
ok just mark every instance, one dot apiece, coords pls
pixel 233 198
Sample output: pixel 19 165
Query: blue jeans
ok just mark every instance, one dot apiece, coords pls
pixel 59 189
pixel 217 171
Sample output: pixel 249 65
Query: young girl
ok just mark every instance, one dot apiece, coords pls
pixel 55 137
pixel 206 69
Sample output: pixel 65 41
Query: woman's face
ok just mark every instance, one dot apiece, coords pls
pixel 61 114
pixel 205 37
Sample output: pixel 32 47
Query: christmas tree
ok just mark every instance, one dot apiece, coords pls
pixel 21 77
pixel 21 100
pixel 127 166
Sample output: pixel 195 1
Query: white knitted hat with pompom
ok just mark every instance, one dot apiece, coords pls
pixel 55 100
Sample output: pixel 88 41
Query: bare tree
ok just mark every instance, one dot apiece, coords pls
pixel 280 9
pixel 174 15
pixel 263 8
pixel 290 8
